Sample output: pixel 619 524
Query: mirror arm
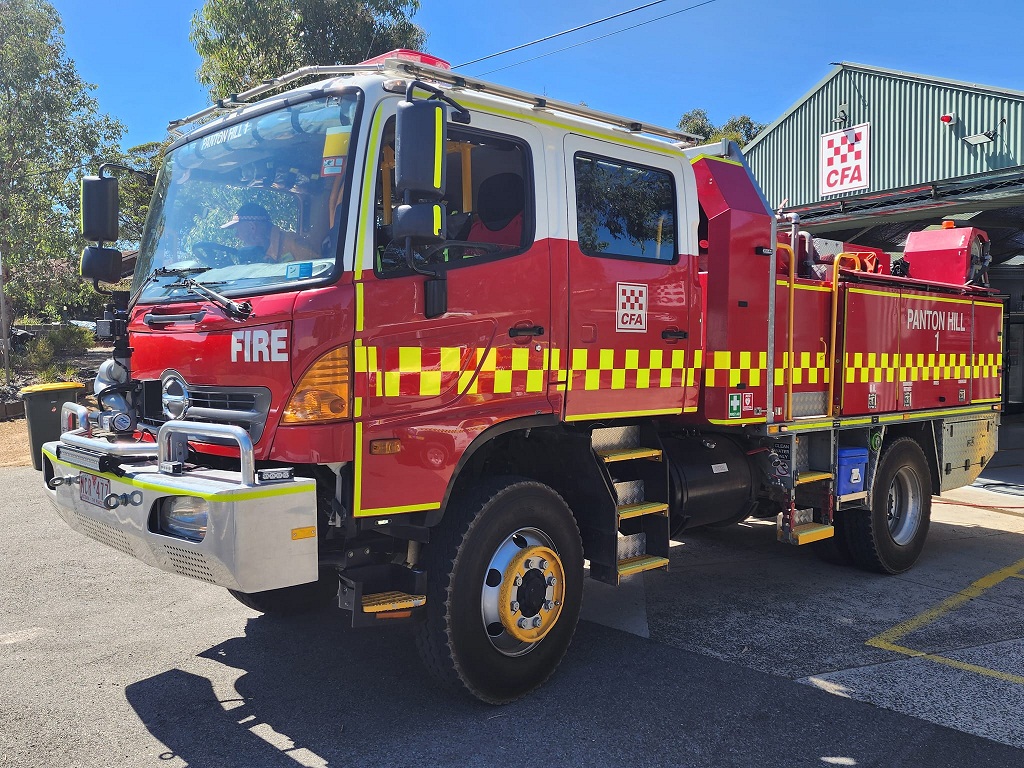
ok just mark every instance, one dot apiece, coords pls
pixel 149 178
pixel 461 113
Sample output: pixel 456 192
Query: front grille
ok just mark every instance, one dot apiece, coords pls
pixel 245 407
pixel 231 400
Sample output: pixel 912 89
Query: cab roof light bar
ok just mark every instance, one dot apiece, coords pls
pixel 403 66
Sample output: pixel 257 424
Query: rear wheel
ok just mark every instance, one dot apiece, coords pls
pixel 505 588
pixel 291 601
pixel 890 536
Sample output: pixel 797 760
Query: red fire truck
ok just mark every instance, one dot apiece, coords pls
pixel 433 349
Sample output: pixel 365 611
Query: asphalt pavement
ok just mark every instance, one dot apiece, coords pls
pixel 746 653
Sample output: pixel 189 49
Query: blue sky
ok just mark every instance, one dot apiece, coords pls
pixel 730 57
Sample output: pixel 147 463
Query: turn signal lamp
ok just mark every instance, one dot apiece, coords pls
pixel 324 392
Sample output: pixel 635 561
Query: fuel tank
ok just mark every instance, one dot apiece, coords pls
pixel 711 481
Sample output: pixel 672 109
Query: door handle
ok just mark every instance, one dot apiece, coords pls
pixel 673 333
pixel 530 330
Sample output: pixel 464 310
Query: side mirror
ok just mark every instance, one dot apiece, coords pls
pixel 421 130
pixel 423 222
pixel 99 209
pixel 101 264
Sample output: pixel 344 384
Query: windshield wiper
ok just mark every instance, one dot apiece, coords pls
pixel 233 308
pixel 171 272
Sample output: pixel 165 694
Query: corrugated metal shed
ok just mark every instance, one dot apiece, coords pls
pixel 909 146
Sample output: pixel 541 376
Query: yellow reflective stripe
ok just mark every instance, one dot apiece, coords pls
pixel 624 414
pixel 227 495
pixel 821 288
pixel 438 150
pixel 715 158
pixel 437 220
pixel 366 205
pixel 357 473
pixel 379 511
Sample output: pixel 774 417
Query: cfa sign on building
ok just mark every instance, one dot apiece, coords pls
pixel 843 160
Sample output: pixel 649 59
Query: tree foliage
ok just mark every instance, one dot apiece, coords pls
pixel 243 42
pixel 739 128
pixel 50 130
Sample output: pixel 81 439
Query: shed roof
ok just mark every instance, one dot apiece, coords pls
pixel 840 66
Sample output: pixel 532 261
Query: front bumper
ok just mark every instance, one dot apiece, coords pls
pixel 258 536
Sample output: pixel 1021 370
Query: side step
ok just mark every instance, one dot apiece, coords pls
pixel 807 533
pixel 629 511
pixel 640 563
pixel 628 454
pixel 383 602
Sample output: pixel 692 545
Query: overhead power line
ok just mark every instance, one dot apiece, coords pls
pixel 559 34
pixel 599 37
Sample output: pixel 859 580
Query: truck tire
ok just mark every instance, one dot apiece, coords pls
pixel 483 633
pixel 291 601
pixel 889 537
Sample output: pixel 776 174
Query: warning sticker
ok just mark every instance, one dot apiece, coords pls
pixel 631 307
pixel 335 151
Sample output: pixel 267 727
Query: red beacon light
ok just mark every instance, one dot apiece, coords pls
pixel 415 57
pixel 948 119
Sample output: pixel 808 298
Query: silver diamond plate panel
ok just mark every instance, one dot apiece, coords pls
pixel 610 438
pixel 632 546
pixel 630 491
pixel 966 445
pixel 809 403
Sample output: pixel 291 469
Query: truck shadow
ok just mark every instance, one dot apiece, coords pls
pixel 314 692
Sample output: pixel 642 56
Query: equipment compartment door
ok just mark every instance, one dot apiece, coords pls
pixel 631 282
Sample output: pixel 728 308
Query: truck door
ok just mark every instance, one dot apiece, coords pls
pixel 630 334
pixel 435 384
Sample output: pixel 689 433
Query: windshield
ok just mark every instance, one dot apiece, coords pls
pixel 252 207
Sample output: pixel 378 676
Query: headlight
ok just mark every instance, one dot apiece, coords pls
pixel 184 516
pixel 323 392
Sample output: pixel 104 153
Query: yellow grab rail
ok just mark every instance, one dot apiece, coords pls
pixel 835 320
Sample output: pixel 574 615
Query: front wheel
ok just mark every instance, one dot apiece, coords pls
pixel 506 584
pixel 889 537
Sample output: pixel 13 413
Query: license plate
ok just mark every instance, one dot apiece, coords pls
pixel 93 489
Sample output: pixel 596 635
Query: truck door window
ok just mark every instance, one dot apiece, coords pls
pixel 489 202
pixel 623 210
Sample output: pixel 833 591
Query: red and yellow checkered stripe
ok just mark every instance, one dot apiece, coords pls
pixel 430 371
pixel 870 367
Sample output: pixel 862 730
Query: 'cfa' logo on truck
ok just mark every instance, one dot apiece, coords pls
pixel 631 307
pixel 843 162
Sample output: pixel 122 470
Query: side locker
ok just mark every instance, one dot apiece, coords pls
pixel 634 536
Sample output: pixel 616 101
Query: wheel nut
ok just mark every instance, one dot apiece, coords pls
pixel 524 623
pixel 536 622
pixel 543 565
pixel 528 563
pixel 514 606
pixel 551 581
pixel 548 605
pixel 518 581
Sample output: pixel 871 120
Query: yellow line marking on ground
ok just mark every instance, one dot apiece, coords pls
pixel 887 640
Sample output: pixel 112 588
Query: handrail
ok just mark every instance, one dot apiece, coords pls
pixel 835 321
pixel 199 429
pixel 789 329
